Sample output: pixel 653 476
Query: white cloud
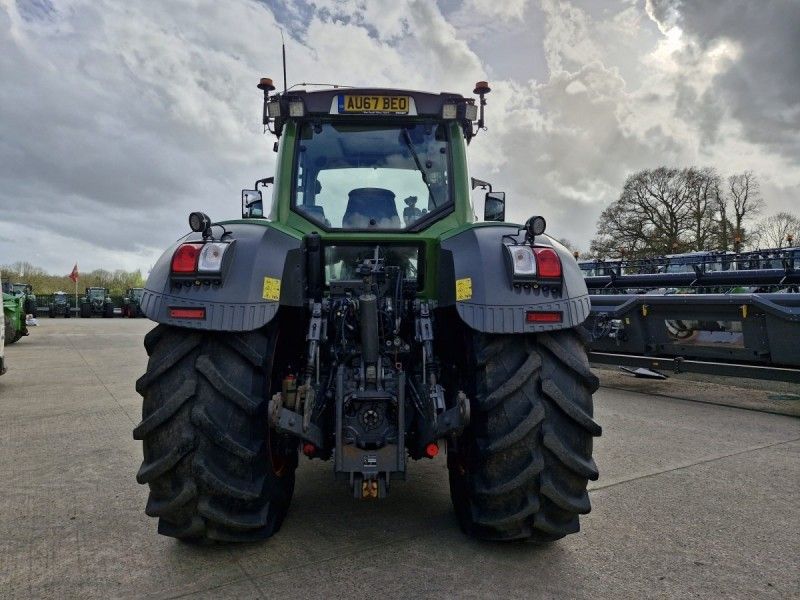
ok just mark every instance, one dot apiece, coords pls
pixel 118 118
pixel 505 10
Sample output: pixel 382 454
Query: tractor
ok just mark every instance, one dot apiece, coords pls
pixel 96 301
pixel 365 317
pixel 15 324
pixel 26 291
pixel 60 306
pixel 132 303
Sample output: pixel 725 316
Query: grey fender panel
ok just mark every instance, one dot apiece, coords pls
pixel 495 305
pixel 237 304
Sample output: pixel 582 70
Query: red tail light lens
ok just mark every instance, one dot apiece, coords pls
pixel 540 316
pixel 185 258
pixel 548 262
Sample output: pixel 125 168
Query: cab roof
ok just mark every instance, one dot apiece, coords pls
pixel 426 103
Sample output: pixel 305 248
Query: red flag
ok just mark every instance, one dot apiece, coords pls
pixel 74 274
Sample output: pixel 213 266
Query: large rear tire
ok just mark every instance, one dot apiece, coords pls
pixel 521 468
pixel 215 470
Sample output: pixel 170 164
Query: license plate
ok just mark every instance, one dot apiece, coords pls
pixel 378 105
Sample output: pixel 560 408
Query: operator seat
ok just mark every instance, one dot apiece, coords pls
pixel 371 207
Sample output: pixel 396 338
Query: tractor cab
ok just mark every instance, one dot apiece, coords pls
pixel 368 160
pixel 96 295
pixel 25 291
pixel 22 288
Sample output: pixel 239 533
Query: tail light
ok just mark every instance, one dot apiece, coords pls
pixel 548 262
pixel 184 261
pixel 210 259
pixel 529 265
pixel 199 260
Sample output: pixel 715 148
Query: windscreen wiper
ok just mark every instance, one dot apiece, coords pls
pixel 415 156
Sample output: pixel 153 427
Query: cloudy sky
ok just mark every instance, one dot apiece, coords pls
pixel 117 118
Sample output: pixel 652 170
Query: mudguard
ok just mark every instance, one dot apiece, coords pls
pixel 264 272
pixel 474 277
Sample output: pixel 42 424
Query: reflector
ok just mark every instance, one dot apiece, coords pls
pixel 187 313
pixel 534 316
pixel 432 450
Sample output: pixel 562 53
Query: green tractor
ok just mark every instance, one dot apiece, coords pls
pixel 96 301
pixel 15 325
pixel 26 291
pixel 60 306
pixel 132 303
pixel 365 318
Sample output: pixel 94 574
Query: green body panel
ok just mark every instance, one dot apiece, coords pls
pixel 14 311
pixel 289 222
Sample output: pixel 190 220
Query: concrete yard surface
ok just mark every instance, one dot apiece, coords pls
pixel 694 500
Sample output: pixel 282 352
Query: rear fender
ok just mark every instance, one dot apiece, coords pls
pixel 474 278
pixel 263 273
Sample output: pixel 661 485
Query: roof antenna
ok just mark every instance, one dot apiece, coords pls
pixel 283 50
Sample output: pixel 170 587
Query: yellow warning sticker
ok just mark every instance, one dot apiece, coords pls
pixel 464 288
pixel 272 289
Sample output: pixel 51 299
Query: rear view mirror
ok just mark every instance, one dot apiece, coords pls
pixel 494 207
pixel 252 204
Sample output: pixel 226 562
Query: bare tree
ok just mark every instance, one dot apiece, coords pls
pixel 668 211
pixel 724 226
pixel 775 231
pixel 653 215
pixel 703 186
pixel 745 200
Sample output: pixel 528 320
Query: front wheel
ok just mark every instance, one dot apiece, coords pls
pixel 215 469
pixel 521 469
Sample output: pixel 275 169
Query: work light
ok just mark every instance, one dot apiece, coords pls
pixel 274 109
pixel 449 111
pixel 199 222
